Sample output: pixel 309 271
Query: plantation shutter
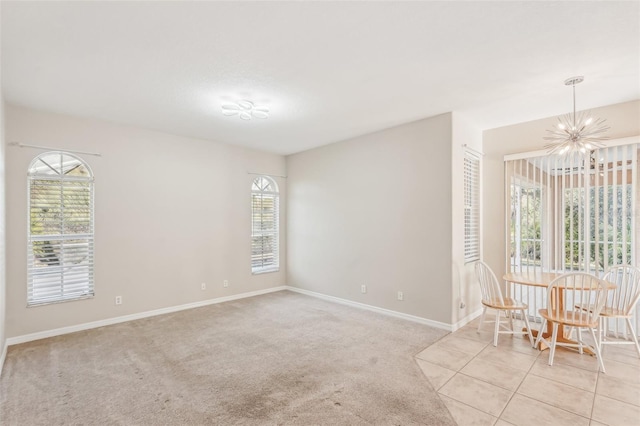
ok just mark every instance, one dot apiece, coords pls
pixel 60 235
pixel 264 226
pixel 471 207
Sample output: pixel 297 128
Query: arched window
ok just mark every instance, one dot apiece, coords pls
pixel 264 225
pixel 60 235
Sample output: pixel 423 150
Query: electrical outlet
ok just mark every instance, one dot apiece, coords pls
pixel 203 286
pixel 400 295
pixel 225 283
pixel 118 300
pixel 363 288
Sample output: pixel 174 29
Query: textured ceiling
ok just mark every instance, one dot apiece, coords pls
pixel 326 70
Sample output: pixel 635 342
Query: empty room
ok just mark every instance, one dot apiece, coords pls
pixel 320 213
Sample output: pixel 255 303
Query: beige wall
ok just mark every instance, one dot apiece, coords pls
pixel 3 252
pixel 624 120
pixel 384 210
pixel 464 286
pixel 171 212
pixel 376 210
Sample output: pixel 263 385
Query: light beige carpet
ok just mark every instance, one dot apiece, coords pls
pixel 281 358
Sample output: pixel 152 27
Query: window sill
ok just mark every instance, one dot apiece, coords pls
pixel 52 302
pixel 264 271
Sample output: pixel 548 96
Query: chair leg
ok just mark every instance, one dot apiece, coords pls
pixel 633 335
pixel 510 315
pixel 599 331
pixel 605 331
pixel 497 329
pixel 554 338
pixel 605 326
pixel 580 345
pixel 526 322
pixel 597 348
pixel 539 337
pixel 484 311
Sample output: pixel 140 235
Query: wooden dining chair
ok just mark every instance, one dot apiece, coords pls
pixel 620 303
pixel 492 299
pixel 563 295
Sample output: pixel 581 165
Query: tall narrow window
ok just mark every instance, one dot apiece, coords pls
pixel 264 225
pixel 471 207
pixel 60 236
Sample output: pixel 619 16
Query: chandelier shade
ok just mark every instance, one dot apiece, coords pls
pixel 576 133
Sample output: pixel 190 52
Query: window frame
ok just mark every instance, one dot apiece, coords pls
pixel 82 285
pixel 265 191
pixel 523 188
pixel 472 209
pixel 594 184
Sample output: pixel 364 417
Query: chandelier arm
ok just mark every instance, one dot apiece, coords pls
pixel 573 134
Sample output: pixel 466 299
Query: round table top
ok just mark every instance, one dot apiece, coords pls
pixel 537 278
pixel 533 278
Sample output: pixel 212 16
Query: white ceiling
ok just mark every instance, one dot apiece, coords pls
pixel 328 71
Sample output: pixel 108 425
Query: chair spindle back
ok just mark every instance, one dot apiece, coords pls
pixel 489 286
pixel 576 289
pixel 627 292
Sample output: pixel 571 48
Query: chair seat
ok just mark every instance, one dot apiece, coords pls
pixel 509 304
pixel 571 318
pixel 607 311
pixel 610 311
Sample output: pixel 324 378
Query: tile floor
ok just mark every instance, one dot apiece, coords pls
pixel 512 384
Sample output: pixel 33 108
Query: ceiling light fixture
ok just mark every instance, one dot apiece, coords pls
pixel 246 110
pixel 573 134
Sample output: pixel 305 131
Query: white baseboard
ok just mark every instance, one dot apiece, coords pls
pixel 3 356
pixel 466 320
pixel 116 320
pixel 110 321
pixel 425 321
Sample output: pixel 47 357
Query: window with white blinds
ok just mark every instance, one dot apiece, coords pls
pixel 575 212
pixel 572 213
pixel 471 207
pixel 264 225
pixel 60 234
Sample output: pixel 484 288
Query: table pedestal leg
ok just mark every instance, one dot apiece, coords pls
pixel 562 338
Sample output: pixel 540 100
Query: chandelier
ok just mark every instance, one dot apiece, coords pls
pixel 576 133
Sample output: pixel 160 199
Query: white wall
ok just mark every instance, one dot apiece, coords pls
pixel 376 210
pixel 624 120
pixel 465 288
pixel 3 251
pixel 171 212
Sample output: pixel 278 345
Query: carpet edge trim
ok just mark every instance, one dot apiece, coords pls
pixel 131 317
pixel 389 312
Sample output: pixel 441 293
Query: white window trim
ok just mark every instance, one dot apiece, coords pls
pixel 89 289
pixel 472 255
pixel 276 195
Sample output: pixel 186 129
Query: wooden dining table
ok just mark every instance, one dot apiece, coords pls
pixel 543 279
